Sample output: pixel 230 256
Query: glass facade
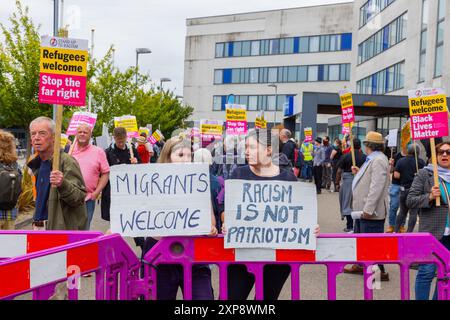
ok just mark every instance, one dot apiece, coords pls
pixel 370 9
pixel 327 72
pixel 294 45
pixel 384 39
pixel 253 102
pixel 385 81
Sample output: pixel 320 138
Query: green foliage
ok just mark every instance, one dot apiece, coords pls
pixel 114 92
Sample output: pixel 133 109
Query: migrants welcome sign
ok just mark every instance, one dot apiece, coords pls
pixel 160 200
pixel 270 214
pixel 63 71
pixel 429 114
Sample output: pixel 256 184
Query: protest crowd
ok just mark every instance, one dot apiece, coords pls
pixel 373 183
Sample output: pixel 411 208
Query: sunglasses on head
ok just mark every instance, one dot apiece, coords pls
pixel 442 152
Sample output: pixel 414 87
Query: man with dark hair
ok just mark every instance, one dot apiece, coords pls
pixel 370 203
pixel 326 166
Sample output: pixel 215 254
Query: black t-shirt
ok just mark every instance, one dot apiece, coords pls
pixel 407 169
pixel 245 173
pixel 345 163
pixel 117 156
pixel 397 157
pixel 288 149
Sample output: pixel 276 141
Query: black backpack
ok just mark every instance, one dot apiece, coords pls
pixel 10 185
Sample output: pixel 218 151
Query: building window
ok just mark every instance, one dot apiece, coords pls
pixel 255 48
pixel 385 81
pixel 423 40
pixel 302 75
pixel 219 50
pixel 440 39
pixel 304 44
pixel 384 39
pixel 370 9
pixel 273 75
pixel 313 73
pixel 253 103
pixel 218 76
pixel 217 103
pixel 254 72
pixel 245 48
pixel 314 44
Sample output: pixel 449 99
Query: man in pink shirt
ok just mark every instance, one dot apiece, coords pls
pixel 94 167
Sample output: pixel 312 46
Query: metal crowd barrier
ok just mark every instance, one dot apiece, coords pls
pixel 333 251
pixel 115 265
pixel 117 269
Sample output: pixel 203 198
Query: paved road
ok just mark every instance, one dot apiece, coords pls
pixel 312 277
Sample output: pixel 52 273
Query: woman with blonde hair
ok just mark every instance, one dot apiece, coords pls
pixel 10 181
pixel 170 277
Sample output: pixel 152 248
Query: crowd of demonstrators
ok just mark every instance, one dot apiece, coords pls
pixel 345 191
pixel 405 170
pixel 10 181
pixel 170 277
pixel 370 189
pixel 94 168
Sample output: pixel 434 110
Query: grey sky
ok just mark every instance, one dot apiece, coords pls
pixel 128 24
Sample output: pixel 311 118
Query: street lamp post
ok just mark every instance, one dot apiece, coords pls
pixel 272 85
pixel 138 52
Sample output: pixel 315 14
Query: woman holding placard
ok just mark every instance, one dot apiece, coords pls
pixel 170 277
pixel 433 219
pixel 258 153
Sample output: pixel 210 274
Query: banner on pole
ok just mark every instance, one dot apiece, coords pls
pixel 129 123
pixel 236 117
pixel 348 113
pixel 63 71
pixel 428 112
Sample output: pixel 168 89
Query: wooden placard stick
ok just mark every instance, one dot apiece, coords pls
pixel 415 153
pixel 352 147
pixel 72 147
pixel 435 169
pixel 57 146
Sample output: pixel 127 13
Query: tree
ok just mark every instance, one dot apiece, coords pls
pixel 19 73
pixel 115 93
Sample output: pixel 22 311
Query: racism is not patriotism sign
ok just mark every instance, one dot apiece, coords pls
pixel 270 214
pixel 63 71
pixel 428 112
pixel 160 200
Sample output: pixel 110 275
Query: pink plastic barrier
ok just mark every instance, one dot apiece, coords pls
pixel 110 257
pixel 334 251
pixel 21 242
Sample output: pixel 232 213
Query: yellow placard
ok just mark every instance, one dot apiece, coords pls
pixel 63 61
pixel 406 135
pixel 144 130
pixel 156 135
pixel 427 105
pixel 308 132
pixel 211 129
pixel 236 114
pixel 346 100
pixel 64 140
pixel 130 124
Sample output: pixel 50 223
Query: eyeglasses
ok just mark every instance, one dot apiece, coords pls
pixel 442 152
